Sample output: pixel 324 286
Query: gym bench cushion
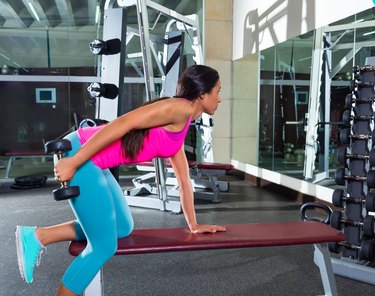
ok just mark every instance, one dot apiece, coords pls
pixel 194 164
pixel 214 166
pixel 237 236
pixel 158 240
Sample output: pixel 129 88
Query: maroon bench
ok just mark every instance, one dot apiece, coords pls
pixel 143 241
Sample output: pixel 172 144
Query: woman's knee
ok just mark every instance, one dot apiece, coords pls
pixel 105 249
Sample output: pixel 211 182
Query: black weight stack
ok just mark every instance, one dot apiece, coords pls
pixel 358 178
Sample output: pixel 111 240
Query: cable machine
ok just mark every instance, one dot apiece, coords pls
pixel 168 62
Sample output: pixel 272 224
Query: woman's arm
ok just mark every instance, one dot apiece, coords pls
pixel 156 114
pixel 181 170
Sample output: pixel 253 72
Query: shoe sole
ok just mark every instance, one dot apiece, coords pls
pixel 20 253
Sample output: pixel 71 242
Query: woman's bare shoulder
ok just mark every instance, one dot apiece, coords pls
pixel 181 109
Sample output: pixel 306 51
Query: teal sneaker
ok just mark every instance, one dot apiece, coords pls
pixel 29 250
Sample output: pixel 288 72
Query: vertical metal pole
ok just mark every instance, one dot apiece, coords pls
pixel 48 49
pixel 150 91
pixel 146 51
pixel 327 111
pixel 112 70
pixel 313 113
pixel 114 26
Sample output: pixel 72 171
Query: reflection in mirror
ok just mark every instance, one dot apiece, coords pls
pixel 51 51
pixel 284 93
pixel 303 85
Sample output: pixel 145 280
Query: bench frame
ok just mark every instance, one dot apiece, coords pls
pixel 204 179
pixel 143 241
pixel 322 259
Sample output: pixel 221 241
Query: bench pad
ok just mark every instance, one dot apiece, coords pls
pixel 237 236
pixel 215 166
pixel 195 164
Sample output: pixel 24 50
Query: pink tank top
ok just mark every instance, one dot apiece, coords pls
pixel 158 143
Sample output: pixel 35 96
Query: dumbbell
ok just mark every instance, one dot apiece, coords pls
pixel 342 156
pixel 338 199
pixel 350 99
pixel 354 85
pixel 336 221
pixel 366 249
pixel 106 90
pixel 340 178
pixel 347 117
pixel 345 136
pixel 101 47
pixel 59 147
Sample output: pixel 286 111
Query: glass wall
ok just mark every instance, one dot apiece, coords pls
pixel 46 66
pixel 303 85
pixel 283 93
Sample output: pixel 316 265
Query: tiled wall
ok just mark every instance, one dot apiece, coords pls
pixel 236 120
pixel 245 110
pixel 218 54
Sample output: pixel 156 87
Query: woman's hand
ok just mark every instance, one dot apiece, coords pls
pixel 64 169
pixel 203 228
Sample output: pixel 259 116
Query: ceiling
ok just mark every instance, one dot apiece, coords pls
pixel 42 13
pixel 56 33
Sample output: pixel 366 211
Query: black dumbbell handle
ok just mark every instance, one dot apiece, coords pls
pixel 60 155
pixel 351 222
pixel 354 199
pixel 350 246
pixel 365 249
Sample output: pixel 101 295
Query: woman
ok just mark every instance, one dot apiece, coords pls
pixel 157 129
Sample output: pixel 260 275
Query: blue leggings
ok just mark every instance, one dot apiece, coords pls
pixel 103 216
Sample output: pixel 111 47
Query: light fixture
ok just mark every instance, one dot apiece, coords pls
pixel 368 33
pixel 97 14
pixel 33 11
pixel 4 56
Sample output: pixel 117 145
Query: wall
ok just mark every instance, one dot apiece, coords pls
pixel 259 24
pixel 218 54
pixel 245 110
pixel 235 22
pixel 26 124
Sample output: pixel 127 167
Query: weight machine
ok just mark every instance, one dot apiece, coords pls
pixel 322 72
pixel 168 61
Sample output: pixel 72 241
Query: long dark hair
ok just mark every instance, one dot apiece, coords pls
pixel 194 82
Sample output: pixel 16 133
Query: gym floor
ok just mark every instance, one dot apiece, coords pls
pixel 255 271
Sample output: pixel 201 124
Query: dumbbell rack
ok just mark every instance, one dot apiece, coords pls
pixel 358 179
